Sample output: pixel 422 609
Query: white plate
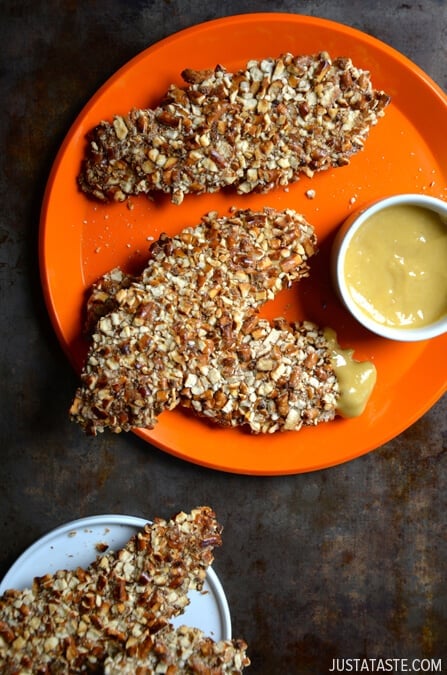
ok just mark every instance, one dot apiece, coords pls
pixel 74 544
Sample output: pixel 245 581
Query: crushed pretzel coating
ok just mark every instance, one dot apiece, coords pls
pixel 187 331
pixel 70 621
pixel 279 377
pixel 255 129
pixel 183 651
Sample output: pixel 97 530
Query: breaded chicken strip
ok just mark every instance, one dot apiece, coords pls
pixel 193 302
pixel 255 129
pixel 70 621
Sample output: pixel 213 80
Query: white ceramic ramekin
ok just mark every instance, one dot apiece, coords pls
pixel 341 244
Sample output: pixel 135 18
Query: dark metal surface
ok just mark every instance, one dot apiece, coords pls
pixel 348 562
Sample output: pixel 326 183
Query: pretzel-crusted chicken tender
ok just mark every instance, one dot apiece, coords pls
pixel 255 129
pixel 187 332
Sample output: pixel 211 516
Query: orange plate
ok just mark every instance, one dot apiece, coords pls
pixel 406 151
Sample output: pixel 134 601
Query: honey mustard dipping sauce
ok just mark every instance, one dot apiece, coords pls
pixel 356 379
pixel 396 266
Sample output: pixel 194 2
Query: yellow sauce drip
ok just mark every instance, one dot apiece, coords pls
pixel 356 379
pixel 396 267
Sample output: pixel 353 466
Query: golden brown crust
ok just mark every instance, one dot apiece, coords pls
pixel 255 129
pixel 183 651
pixel 70 621
pixel 187 332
